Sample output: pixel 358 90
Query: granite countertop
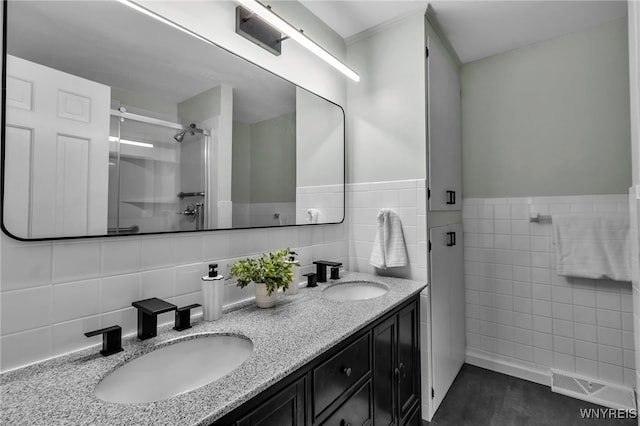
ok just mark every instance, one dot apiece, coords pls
pixel 300 327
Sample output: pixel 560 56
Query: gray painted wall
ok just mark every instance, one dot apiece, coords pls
pixel 202 106
pixel 319 141
pixel 273 160
pixel 264 161
pixel 241 163
pixel 386 109
pixel 147 104
pixel 551 118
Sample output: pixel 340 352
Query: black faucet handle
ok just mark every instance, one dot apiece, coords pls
pixel 335 272
pixel 183 317
pixel 111 339
pixel 312 279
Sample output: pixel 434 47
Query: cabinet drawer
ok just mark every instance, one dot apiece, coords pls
pixel 285 408
pixel 332 378
pixel 356 411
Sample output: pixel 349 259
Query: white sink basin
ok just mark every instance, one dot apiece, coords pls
pixel 174 369
pixel 356 290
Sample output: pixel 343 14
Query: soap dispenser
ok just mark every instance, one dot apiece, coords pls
pixel 212 294
pixel 295 283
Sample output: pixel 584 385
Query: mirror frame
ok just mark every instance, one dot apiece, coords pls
pixel 214 44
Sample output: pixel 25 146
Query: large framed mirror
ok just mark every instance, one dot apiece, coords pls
pixel 116 123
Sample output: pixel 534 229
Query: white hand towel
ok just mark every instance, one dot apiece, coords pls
pixel 312 215
pixel 592 246
pixel 389 249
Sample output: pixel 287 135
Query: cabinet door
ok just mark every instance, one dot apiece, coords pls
pixel 384 378
pixel 287 408
pixel 457 311
pixel 356 411
pixel 408 365
pixel 414 419
pixel 447 308
pixel 444 130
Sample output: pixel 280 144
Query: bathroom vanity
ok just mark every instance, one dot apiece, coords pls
pixel 373 374
pixel 315 360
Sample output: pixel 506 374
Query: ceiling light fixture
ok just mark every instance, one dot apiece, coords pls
pixel 128 142
pixel 283 26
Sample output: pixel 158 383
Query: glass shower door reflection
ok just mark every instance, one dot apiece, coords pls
pixel 149 165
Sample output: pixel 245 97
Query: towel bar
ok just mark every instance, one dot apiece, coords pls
pixel 540 218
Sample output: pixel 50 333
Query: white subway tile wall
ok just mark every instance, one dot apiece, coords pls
pixel 264 214
pixel 519 311
pixel 53 292
pixel 408 199
pixel 326 199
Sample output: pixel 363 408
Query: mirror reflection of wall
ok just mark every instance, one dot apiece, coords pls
pixel 264 172
pixel 136 127
pixel 320 160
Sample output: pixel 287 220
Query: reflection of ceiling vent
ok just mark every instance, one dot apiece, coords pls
pixel 591 390
pixel 250 26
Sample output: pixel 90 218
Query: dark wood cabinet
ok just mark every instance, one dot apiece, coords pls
pixel 384 376
pixel 408 361
pixel 338 374
pixel 396 360
pixel 371 378
pixel 285 408
pixel 356 411
pixel 415 418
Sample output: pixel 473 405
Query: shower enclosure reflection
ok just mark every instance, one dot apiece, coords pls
pixel 156 175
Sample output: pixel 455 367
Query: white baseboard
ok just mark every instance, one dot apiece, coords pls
pixel 510 366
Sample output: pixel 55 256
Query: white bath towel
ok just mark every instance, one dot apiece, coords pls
pixel 592 246
pixel 312 215
pixel 389 249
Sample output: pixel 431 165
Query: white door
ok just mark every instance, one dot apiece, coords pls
pixel 445 130
pixel 58 134
pixel 447 308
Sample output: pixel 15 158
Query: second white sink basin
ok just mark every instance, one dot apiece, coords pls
pixel 356 290
pixel 174 369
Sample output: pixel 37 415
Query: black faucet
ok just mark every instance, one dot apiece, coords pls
pixel 148 311
pixel 111 339
pixel 321 269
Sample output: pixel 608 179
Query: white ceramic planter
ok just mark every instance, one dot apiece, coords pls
pixel 262 300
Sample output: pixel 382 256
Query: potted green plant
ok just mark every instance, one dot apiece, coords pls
pixel 269 273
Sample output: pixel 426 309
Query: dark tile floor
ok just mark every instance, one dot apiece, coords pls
pixel 481 397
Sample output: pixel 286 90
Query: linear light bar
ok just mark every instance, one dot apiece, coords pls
pixel 283 26
pixel 128 142
pixel 268 16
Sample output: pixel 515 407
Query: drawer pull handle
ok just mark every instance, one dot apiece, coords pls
pixel 344 423
pixel 347 371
